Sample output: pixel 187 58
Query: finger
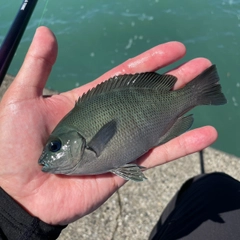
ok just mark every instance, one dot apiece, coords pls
pixel 151 60
pixel 189 70
pixel 37 65
pixel 187 143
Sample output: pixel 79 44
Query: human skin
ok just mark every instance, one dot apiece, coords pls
pixel 27 118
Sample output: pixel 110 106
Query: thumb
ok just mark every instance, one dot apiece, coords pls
pixel 37 65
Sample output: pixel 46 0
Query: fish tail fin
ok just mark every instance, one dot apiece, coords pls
pixel 206 88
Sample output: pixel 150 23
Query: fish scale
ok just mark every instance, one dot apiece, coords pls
pixel 130 101
pixel 121 119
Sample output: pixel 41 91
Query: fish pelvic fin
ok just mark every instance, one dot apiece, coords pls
pixel 206 88
pixel 179 127
pixel 130 172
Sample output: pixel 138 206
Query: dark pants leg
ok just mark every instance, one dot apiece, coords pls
pixel 206 207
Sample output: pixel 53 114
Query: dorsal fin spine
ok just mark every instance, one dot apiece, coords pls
pixel 140 80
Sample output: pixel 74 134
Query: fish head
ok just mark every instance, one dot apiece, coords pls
pixel 62 151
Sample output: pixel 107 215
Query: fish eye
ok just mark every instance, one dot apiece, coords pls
pixel 55 145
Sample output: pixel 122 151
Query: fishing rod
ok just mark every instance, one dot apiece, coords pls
pixel 14 35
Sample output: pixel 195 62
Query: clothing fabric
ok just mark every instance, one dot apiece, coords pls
pixel 206 207
pixel 17 224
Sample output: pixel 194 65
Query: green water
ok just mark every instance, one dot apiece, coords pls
pixel 95 36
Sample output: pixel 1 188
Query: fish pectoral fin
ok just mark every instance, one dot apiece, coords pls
pixel 130 172
pixel 103 136
pixel 180 126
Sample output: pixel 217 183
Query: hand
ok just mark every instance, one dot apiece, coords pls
pixel 27 119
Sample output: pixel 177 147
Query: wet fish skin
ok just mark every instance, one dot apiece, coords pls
pixel 121 119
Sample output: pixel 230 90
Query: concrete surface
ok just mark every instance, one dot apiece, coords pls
pixel 131 212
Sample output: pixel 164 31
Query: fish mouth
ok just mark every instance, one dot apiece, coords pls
pixel 41 162
pixel 45 166
pixel 48 166
pixel 45 169
pixel 56 170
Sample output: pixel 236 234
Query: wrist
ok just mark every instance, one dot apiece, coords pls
pixel 15 221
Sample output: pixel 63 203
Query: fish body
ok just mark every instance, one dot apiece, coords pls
pixel 121 119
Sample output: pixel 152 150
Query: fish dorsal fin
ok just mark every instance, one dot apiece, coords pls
pixel 146 80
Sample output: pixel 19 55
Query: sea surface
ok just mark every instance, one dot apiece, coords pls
pixel 95 36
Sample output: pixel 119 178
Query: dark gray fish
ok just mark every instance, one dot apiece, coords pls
pixel 122 118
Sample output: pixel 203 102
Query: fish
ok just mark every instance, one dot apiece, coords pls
pixel 121 119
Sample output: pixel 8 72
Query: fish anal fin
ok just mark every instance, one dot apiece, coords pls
pixel 130 172
pixel 102 137
pixel 180 126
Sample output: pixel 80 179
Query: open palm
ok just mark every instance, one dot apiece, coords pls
pixel 27 119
